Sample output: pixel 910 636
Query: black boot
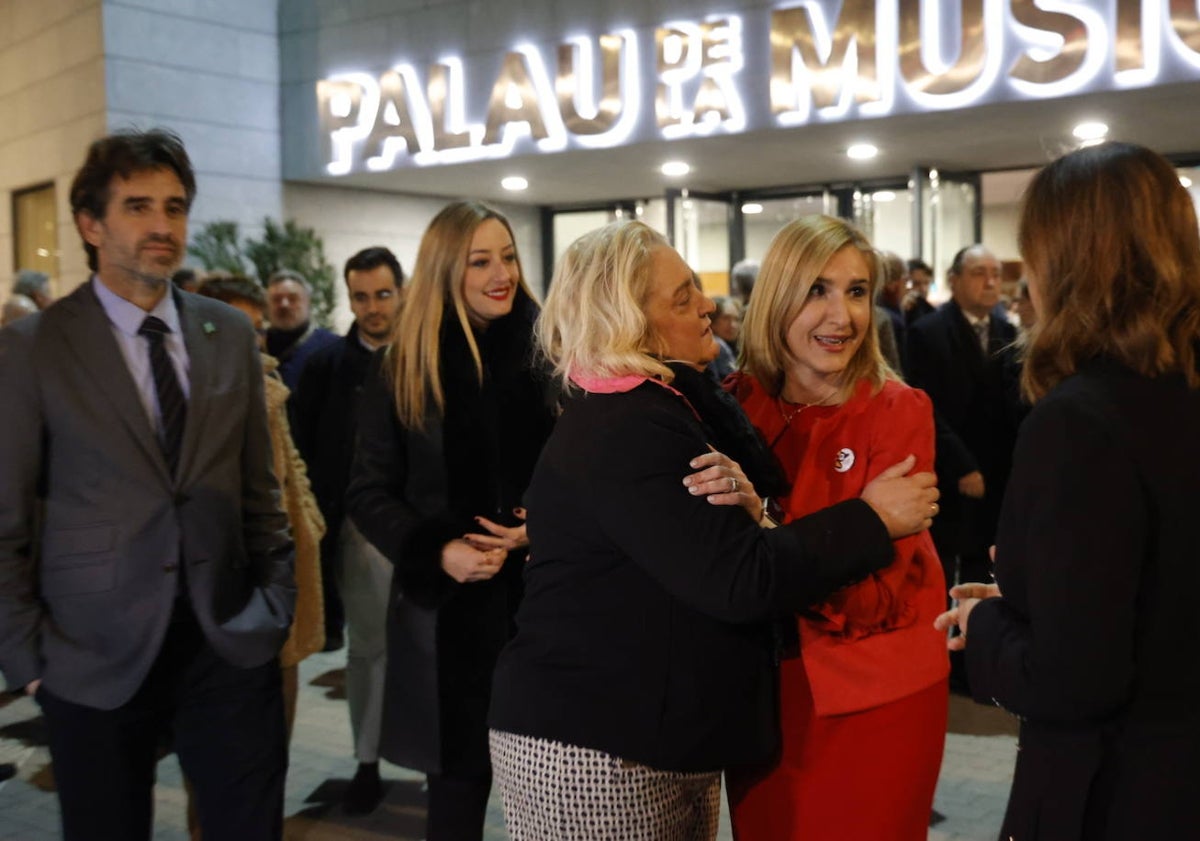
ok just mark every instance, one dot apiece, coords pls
pixel 365 790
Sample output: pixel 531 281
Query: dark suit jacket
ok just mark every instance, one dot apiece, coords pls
pixel 87 612
pixel 325 408
pixel 1094 643
pixel 975 429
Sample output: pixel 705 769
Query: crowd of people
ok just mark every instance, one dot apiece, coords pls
pixel 607 550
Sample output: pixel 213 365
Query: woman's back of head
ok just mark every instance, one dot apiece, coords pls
pixel 1112 250
pixel 593 321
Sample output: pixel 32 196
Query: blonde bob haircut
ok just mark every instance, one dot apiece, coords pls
pixel 793 262
pixel 1111 247
pixel 414 356
pixel 593 322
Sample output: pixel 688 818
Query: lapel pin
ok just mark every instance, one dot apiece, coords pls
pixel 210 328
pixel 844 460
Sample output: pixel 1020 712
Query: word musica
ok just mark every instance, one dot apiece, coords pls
pixel 874 57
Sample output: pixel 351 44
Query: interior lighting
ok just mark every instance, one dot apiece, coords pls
pixel 675 169
pixel 883 195
pixel 1094 131
pixel 1183 179
pixel 514 183
pixel 752 207
pixel 862 152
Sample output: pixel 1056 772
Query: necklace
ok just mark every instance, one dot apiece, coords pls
pixel 788 417
pixel 790 411
pixel 796 409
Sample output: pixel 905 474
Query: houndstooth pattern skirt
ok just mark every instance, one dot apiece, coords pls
pixel 557 792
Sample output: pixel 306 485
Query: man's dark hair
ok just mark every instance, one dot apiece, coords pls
pixel 960 256
pixel 919 265
pixel 232 287
pixel 185 277
pixel 742 278
pixel 373 258
pixel 123 154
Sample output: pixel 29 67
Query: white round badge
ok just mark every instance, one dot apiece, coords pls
pixel 844 460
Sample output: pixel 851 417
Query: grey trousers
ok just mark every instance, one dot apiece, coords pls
pixel 366 578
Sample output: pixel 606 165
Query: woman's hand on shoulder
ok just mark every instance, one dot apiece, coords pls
pixel 906 504
pixel 723 482
pixel 466 563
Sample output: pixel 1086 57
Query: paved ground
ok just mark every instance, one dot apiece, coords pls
pixel 976 771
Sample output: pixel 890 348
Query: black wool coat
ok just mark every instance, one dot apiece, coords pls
pixel 1094 643
pixel 411 492
pixel 644 631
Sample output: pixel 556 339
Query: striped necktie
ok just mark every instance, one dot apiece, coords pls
pixel 981 332
pixel 172 406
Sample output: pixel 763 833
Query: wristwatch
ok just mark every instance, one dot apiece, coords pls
pixel 772 513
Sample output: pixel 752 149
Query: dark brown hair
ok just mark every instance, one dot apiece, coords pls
pixel 1111 246
pixel 373 258
pixel 231 287
pixel 123 154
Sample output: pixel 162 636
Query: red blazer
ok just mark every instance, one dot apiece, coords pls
pixel 872 642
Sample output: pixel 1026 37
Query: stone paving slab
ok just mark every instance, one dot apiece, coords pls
pixel 971 794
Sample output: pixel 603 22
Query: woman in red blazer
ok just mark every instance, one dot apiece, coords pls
pixel 863 708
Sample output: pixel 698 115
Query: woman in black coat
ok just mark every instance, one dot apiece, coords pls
pixel 451 422
pixel 1093 643
pixel 643 662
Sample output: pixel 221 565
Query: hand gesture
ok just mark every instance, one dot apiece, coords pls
pixel 498 536
pixel 465 563
pixel 906 504
pixel 972 485
pixel 966 596
pixel 723 482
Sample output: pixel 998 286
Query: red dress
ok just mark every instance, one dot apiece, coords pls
pixel 863 710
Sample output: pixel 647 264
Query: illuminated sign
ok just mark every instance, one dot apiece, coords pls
pixel 864 58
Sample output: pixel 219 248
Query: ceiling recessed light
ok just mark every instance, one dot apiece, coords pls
pixel 674 169
pixel 862 152
pixel 1183 179
pixel 752 207
pixel 883 195
pixel 514 183
pixel 1090 131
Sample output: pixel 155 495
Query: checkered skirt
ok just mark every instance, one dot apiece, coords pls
pixel 558 792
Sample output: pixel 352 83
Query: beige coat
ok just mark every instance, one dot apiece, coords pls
pixel 308 526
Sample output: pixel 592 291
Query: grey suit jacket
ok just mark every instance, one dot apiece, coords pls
pixel 92 523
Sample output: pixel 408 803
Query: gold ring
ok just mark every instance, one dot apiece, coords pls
pixel 733 485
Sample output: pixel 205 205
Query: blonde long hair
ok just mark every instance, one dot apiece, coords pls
pixel 593 321
pixel 1110 243
pixel 792 263
pixel 414 357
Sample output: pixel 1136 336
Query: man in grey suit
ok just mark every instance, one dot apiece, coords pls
pixel 145 564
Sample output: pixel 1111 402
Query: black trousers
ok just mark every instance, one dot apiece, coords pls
pixel 457 806
pixel 226 725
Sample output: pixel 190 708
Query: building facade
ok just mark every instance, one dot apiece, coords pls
pixel 359 119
